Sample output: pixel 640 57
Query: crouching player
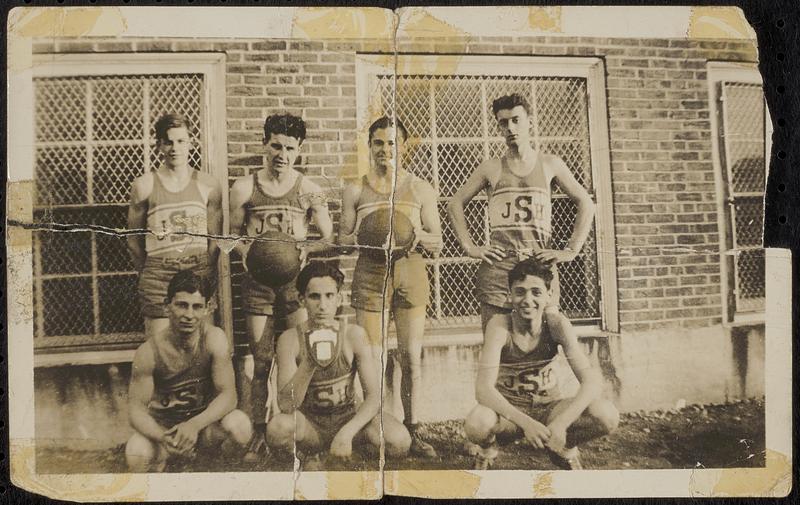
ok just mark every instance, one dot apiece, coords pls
pixel 182 392
pixel 524 388
pixel 317 365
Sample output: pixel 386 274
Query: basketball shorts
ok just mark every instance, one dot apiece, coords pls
pixel 491 283
pixel 407 286
pixel 259 299
pixel 327 426
pixel 157 274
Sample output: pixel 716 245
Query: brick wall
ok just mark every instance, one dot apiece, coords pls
pixel 663 181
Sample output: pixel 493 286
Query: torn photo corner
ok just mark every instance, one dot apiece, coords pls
pixel 340 253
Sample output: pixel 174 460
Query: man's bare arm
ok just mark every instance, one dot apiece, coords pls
pixel 317 201
pixel 368 375
pixel 456 210
pixel 431 236
pixel 214 214
pixel 140 391
pixel 347 219
pixel 293 380
pixel 223 378
pixel 137 220
pixel 321 218
pixel 590 378
pixel 578 194
pixel 240 193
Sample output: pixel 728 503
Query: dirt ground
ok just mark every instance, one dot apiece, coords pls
pixel 698 436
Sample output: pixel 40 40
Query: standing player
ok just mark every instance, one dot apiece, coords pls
pixel 179 207
pixel 519 207
pixel 182 389
pixel 524 387
pixel 407 290
pixel 317 365
pixel 275 198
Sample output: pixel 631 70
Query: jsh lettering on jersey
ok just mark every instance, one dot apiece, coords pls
pixel 177 221
pixel 520 208
pixel 522 213
pixel 286 213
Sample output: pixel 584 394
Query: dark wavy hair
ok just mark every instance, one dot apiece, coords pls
pixel 530 266
pixel 188 282
pixel 318 269
pixel 508 102
pixel 285 124
pixel 167 122
pixel 387 122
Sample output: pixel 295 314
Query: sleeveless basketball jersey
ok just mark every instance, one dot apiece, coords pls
pixel 180 394
pixel 184 212
pixel 330 392
pixel 535 377
pixel 404 200
pixel 520 209
pixel 283 213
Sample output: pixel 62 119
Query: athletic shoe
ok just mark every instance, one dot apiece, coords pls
pixel 485 456
pixel 421 448
pixel 567 460
pixel 472 449
pixel 257 449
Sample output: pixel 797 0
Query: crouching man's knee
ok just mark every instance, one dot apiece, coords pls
pixel 397 440
pixel 238 427
pixel 606 416
pixel 142 454
pixel 479 424
pixel 281 431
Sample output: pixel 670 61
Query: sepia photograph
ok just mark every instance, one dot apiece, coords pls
pixel 367 252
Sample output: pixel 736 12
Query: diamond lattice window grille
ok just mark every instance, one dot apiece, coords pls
pixel 750 276
pixel 743 138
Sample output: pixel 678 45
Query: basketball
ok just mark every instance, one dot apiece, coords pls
pixel 374 232
pixel 273 259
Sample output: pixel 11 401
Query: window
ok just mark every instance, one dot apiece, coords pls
pixel 448 115
pixel 93 135
pixel 741 145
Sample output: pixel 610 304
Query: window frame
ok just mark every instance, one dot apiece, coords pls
pixel 369 65
pixel 718 72
pixel 212 67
